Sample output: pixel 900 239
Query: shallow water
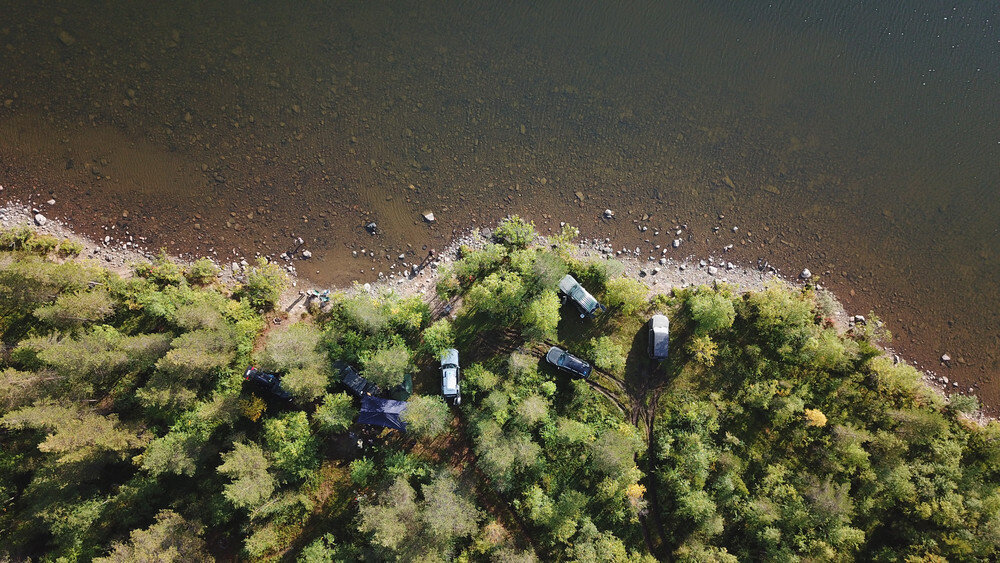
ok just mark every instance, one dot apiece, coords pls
pixel 860 141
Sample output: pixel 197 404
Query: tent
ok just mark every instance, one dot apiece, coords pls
pixel 382 412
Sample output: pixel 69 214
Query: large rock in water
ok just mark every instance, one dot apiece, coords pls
pixel 428 216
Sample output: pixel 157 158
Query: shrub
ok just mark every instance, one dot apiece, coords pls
pixel 541 316
pixel 305 383
pixel 162 271
pixel 627 295
pixel 608 355
pixel 68 248
pixel 202 272
pixel 439 337
pixel 711 312
pixel 549 268
pixel 514 232
pixel 594 275
pixel 478 263
pixel 387 365
pixel 963 404
pixel 293 448
pixel 703 350
pixel 500 293
pixel 74 309
pixel 336 413
pixel 426 416
pixel 293 347
pixel 263 285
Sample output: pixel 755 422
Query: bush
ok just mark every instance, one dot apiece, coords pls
pixel 541 316
pixel 68 248
pixel 608 355
pixel 387 365
pixel 549 269
pixel 711 312
pixel 293 347
pixel 427 416
pixel 162 271
pixel 439 337
pixel 202 272
pixel 627 295
pixel 500 294
pixel 305 383
pixel 595 275
pixel 336 413
pixel 514 232
pixel 963 404
pixel 264 285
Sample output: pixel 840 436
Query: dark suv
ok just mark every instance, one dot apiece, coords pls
pixel 268 382
pixel 564 361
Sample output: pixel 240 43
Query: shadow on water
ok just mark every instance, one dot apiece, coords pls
pixel 857 140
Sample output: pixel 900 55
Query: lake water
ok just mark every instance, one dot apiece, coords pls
pixel 860 140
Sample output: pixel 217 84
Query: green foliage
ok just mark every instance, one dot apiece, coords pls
pixel 386 365
pixel 296 351
pixel 439 337
pixel 500 293
pixel 773 437
pixel 292 446
pixel 76 309
pixel 963 404
pixel 363 471
pixel 514 232
pixel 409 526
pixel 251 483
pixel 541 317
pixel 626 295
pixel 608 355
pixel 711 311
pixel 263 286
pixel 202 271
pixel 595 274
pixel 28 240
pixel 336 413
pixel 75 434
pixel 426 416
pixel 162 271
pixel 171 538
pixel 378 313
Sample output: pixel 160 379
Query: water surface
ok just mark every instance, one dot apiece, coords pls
pixel 860 140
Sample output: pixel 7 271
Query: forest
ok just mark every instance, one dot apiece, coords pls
pixel 770 433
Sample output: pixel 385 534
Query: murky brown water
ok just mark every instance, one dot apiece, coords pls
pixel 861 142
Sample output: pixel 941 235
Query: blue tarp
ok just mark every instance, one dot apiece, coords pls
pixel 382 412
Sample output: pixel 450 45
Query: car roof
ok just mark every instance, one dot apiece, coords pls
pixel 449 381
pixel 449 356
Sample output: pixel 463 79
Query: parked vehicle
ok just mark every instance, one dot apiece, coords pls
pixel 584 301
pixel 357 385
pixel 268 382
pixel 450 374
pixel 659 337
pixel 564 361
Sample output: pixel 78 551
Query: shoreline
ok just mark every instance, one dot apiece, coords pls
pixel 659 275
